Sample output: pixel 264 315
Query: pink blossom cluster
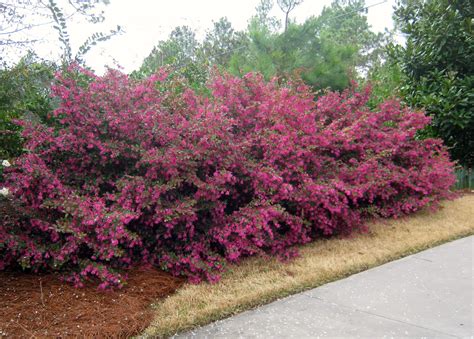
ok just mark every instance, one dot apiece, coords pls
pixel 130 172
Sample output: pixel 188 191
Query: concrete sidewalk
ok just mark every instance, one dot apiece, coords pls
pixel 429 294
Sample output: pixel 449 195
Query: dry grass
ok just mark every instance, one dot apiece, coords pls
pixel 257 281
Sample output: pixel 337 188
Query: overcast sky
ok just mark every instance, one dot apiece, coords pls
pixel 147 21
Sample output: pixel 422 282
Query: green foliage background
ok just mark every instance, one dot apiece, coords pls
pixel 437 64
pixel 24 92
pixel 433 71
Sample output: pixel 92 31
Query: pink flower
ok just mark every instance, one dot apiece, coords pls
pixel 132 173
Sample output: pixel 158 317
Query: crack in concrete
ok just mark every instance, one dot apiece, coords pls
pixel 413 257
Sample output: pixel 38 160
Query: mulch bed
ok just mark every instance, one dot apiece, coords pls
pixel 44 306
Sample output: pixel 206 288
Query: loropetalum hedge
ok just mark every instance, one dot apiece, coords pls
pixel 131 172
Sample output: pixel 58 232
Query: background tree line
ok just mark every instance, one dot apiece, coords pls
pixel 432 71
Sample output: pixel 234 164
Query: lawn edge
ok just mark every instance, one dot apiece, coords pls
pixel 154 331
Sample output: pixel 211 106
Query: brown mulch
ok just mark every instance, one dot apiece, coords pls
pixel 44 306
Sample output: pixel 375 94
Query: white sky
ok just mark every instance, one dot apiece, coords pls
pixel 147 21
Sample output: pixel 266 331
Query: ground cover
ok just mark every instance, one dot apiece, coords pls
pixel 33 305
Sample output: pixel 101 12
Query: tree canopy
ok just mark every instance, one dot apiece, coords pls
pixel 326 50
pixel 20 18
pixel 438 68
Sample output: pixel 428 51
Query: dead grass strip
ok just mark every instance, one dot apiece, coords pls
pixel 257 281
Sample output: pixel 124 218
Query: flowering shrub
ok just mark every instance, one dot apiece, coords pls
pixel 131 172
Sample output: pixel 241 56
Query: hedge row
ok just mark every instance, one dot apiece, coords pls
pixel 129 172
